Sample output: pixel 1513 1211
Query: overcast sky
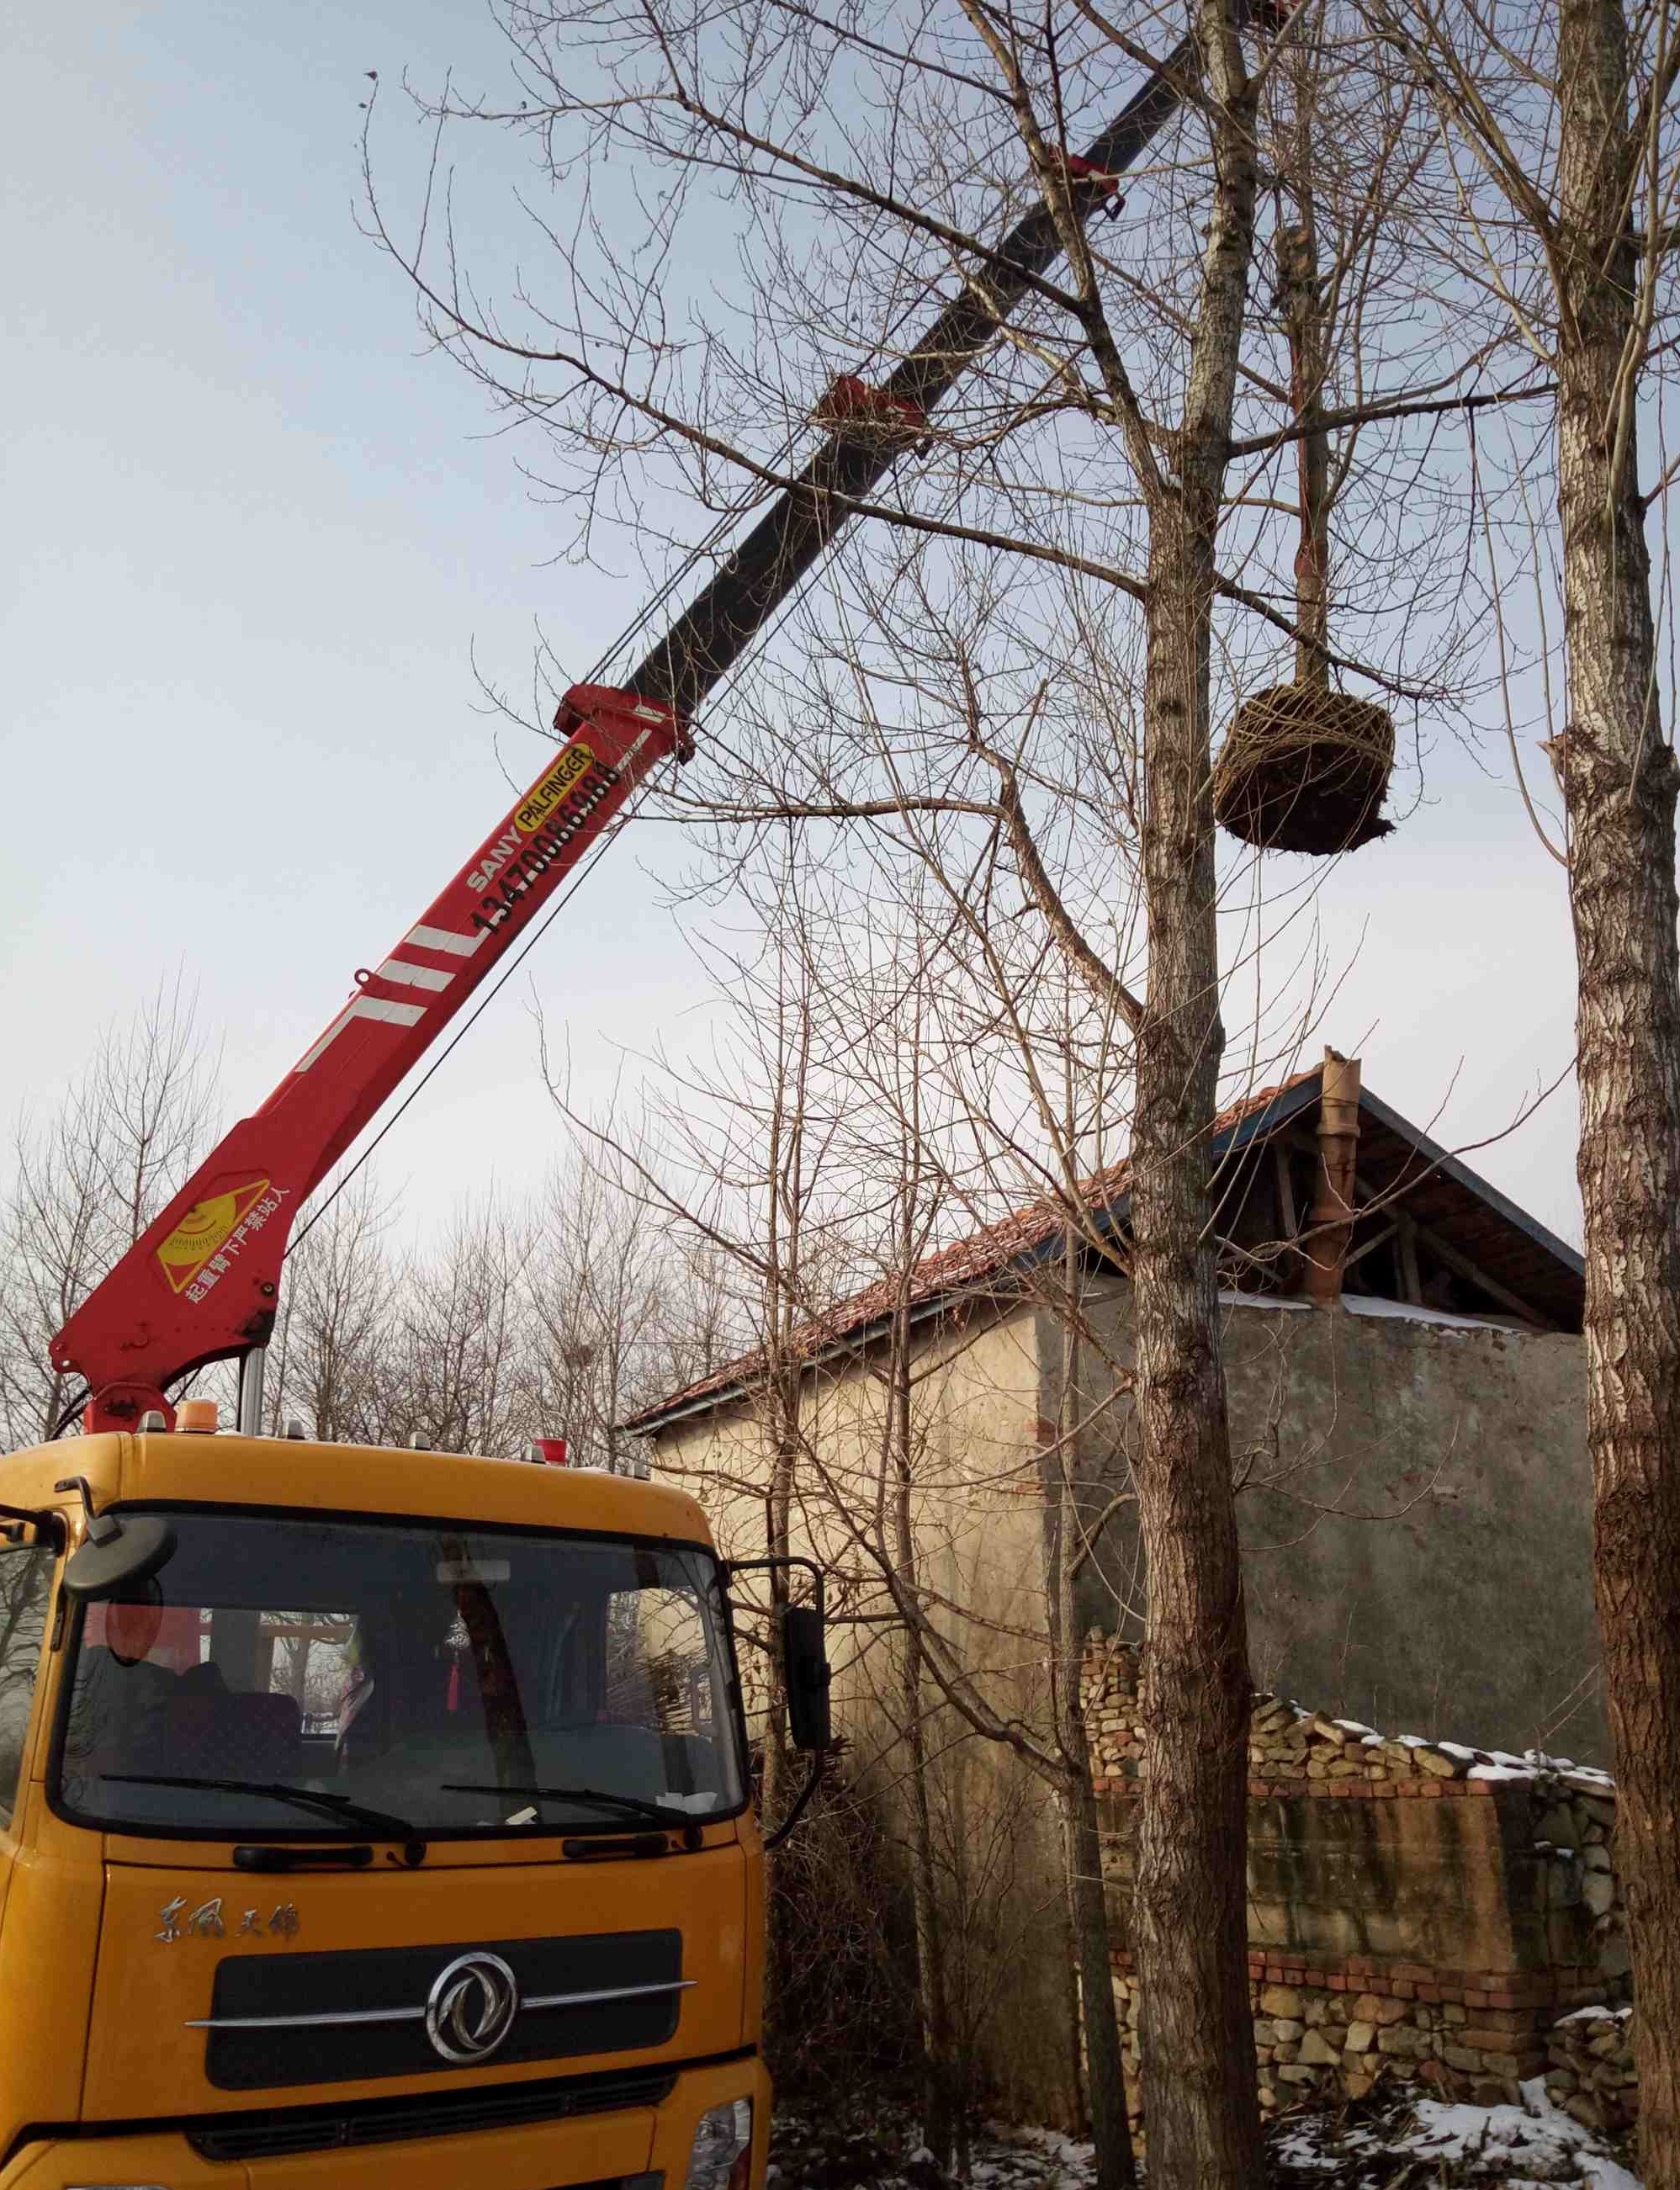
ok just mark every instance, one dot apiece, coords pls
pixel 258 537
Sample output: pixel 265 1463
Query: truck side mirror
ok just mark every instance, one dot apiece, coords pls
pixel 130 1553
pixel 805 1665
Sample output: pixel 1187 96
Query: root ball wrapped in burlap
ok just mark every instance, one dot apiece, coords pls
pixel 1302 769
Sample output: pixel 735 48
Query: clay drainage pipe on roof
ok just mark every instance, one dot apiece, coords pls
pixel 1331 1223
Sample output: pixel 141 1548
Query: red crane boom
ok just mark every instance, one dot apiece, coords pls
pixel 202 1281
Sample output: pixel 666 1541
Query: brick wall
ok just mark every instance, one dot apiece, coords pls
pixel 1418 1911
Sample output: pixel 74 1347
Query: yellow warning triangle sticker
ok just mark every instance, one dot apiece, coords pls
pixel 202 1230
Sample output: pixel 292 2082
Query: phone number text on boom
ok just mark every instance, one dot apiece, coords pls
pixel 548 844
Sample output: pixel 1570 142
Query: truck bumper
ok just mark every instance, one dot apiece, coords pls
pixel 637 2149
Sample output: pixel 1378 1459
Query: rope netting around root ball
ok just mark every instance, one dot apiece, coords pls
pixel 1302 769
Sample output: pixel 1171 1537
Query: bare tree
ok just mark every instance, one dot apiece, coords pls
pixel 327 1362
pixel 1556 212
pixel 755 1146
pixel 85 1184
pixel 1083 470
pixel 451 1372
pixel 1191 1919
pixel 622 1309
pixel 863 1065
pixel 595 1303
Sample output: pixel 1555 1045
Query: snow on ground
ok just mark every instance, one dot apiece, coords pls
pixel 1428 2142
pixel 1383 2143
pixel 880 2148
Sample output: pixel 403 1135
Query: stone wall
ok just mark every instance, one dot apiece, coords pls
pixel 1590 2072
pixel 1418 1911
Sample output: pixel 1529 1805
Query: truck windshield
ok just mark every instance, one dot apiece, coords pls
pixel 452 1680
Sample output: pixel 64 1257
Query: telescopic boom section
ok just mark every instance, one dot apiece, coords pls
pixel 202 1282
pixel 871 430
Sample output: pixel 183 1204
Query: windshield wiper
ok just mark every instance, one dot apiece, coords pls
pixel 384 1823
pixel 632 1803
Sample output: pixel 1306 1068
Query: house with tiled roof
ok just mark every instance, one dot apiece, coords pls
pixel 1407 1432
pixel 1403 1362
pixel 1405 1181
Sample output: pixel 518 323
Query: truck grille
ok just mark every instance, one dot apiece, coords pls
pixel 276 2132
pixel 361 2012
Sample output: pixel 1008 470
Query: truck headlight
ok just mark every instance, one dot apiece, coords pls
pixel 722 2156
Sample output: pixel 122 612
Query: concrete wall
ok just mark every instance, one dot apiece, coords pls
pixel 974 1497
pixel 1415 1513
pixel 979 1526
pixel 1449 1584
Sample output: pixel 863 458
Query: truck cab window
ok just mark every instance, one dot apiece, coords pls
pixel 460 1681
pixel 26 1590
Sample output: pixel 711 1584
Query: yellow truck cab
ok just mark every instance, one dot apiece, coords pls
pixel 369 1817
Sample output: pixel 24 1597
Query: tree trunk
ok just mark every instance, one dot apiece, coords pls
pixel 774 1782
pixel 1082 1849
pixel 942 2096
pixel 1104 2053
pixel 944 2125
pixel 1298 253
pixel 1200 2102
pixel 774 1796
pixel 1619 777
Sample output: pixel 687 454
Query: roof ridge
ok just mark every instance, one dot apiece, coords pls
pixel 996 1244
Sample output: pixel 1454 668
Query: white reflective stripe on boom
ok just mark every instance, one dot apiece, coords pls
pixel 379 1008
pixel 414 976
pixel 445 938
pixel 365 1007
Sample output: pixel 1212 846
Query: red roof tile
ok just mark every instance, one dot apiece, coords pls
pixel 957 1268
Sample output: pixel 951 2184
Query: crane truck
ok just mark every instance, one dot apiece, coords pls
pixel 370 1814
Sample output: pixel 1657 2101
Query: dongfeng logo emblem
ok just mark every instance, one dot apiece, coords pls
pixel 471 2007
